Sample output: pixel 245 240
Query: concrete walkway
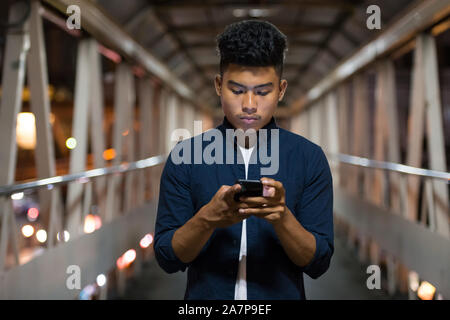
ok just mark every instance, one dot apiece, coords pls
pixel 345 280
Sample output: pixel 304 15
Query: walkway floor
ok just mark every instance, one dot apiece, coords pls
pixel 344 280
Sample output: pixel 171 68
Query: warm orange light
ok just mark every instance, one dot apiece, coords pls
pixel 52 118
pixel 129 256
pixel 126 259
pixel 426 291
pixel 98 222
pixel 125 133
pixel 109 154
pixel 443 26
pixel 120 263
pixel 92 223
pixel 146 241
pixel 26 130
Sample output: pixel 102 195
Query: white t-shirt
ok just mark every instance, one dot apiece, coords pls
pixel 240 291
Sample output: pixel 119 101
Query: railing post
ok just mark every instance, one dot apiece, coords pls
pixel 17 44
pixel 146 141
pixel 342 97
pixel 332 132
pixel 129 139
pixel 40 106
pixel 121 100
pixel 425 99
pixel 435 133
pixel 78 155
pixel 96 116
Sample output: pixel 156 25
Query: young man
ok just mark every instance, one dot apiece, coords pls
pixel 258 247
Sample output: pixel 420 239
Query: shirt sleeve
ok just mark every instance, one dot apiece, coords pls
pixel 175 208
pixel 315 212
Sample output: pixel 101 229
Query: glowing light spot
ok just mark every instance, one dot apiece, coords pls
pixel 413 281
pixel 426 291
pixel 26 130
pixel 27 231
pixel 64 238
pixel 109 154
pixel 32 214
pixel 101 280
pixel 129 256
pixel 17 196
pixel 126 259
pixel 120 263
pixel 71 143
pixel 146 241
pixel 41 236
pixel 92 223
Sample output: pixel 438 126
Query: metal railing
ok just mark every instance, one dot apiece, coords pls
pixel 159 159
pixel 82 176
pixel 386 165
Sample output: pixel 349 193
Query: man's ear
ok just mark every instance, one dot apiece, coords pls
pixel 218 84
pixel 283 86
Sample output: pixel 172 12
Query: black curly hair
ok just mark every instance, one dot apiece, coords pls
pixel 252 43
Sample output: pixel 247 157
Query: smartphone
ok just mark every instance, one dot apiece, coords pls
pixel 249 188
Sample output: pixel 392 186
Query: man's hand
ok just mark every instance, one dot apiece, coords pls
pixel 222 210
pixel 271 206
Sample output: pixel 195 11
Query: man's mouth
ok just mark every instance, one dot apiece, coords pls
pixel 249 120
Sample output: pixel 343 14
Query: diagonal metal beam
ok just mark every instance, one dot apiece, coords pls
pixel 419 17
pixel 163 19
pixel 346 5
pixel 340 20
pixel 293 43
pixel 108 32
pixel 288 29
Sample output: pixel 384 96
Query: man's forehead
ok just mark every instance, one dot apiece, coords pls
pixel 251 70
pixel 250 76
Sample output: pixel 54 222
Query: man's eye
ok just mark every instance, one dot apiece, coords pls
pixel 262 93
pixel 237 91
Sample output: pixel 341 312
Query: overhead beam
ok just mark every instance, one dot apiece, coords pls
pixel 108 32
pixel 288 29
pixel 200 4
pixel 420 17
pixel 324 45
pixel 163 18
pixel 293 43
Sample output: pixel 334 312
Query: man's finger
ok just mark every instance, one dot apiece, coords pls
pixel 255 200
pixel 229 194
pixel 248 205
pixel 271 183
pixel 260 211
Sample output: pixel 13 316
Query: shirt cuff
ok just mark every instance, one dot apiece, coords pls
pixel 321 259
pixel 165 255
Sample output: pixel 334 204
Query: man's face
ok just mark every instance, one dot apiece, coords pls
pixel 249 95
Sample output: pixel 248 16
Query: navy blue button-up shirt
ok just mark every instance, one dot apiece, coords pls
pixel 185 188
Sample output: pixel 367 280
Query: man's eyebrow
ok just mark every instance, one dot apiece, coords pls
pixel 242 86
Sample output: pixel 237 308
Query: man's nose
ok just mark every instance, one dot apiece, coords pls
pixel 249 102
